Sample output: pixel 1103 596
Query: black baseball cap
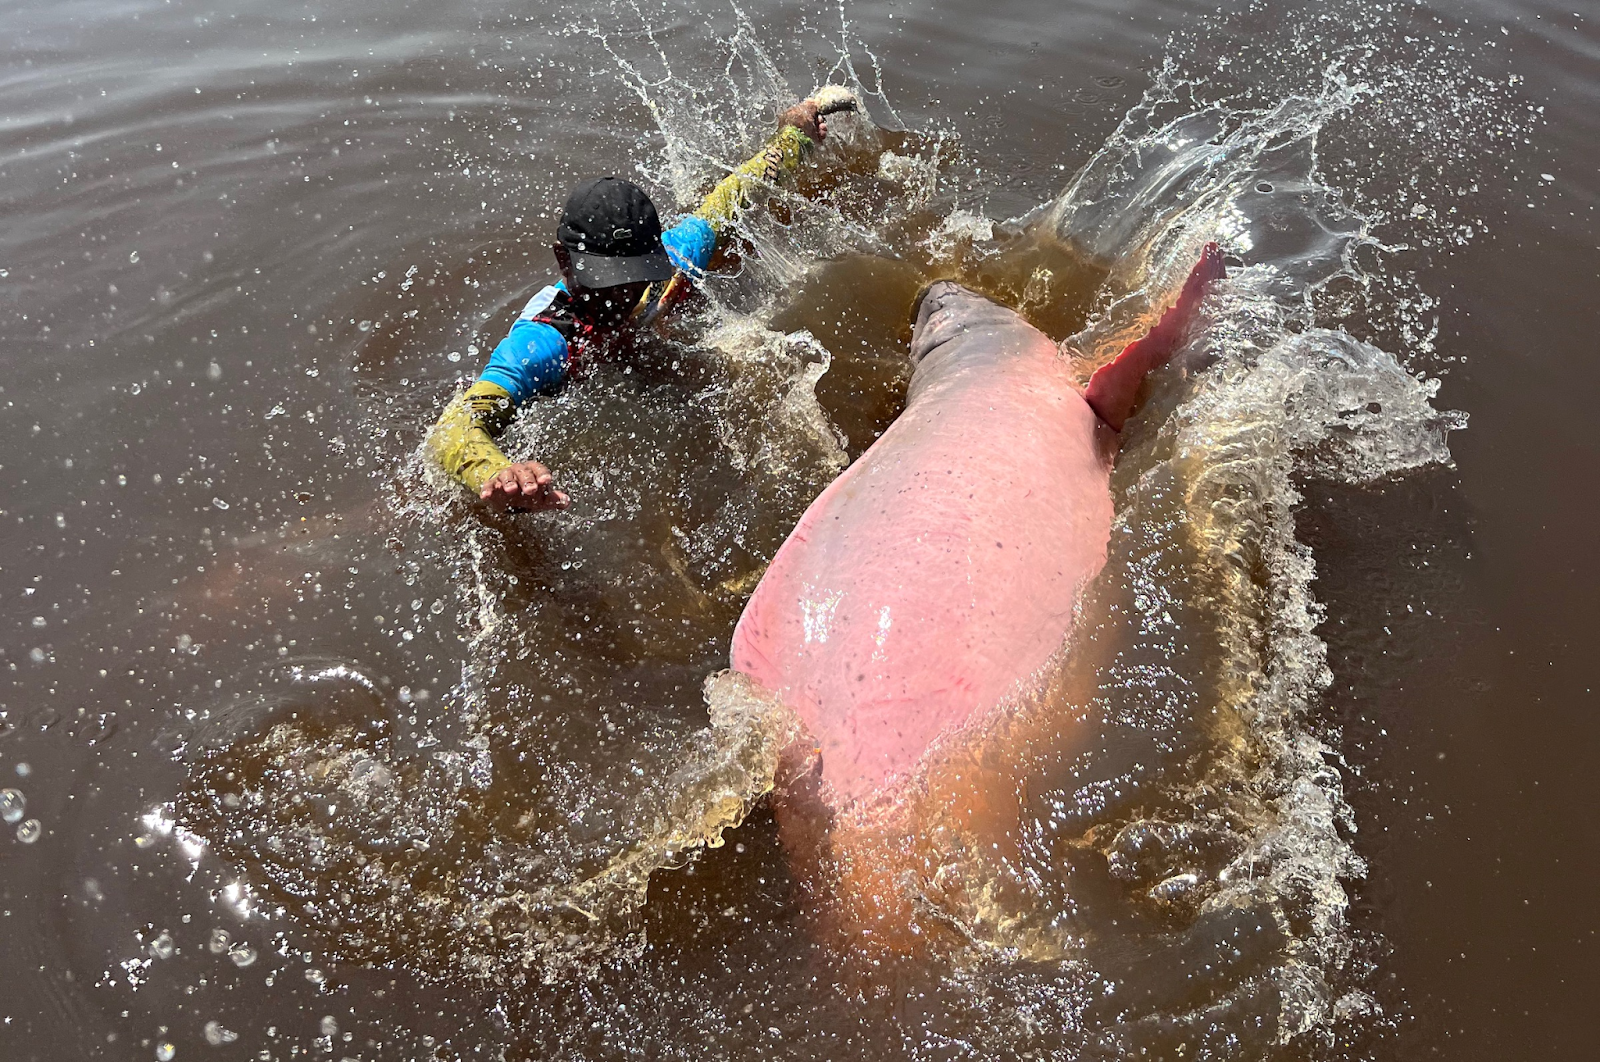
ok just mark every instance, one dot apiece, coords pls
pixel 611 230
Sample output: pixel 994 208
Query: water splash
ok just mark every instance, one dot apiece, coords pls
pixel 355 837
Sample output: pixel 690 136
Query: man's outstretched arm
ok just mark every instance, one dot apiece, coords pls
pixel 799 128
pixel 692 242
pixel 532 358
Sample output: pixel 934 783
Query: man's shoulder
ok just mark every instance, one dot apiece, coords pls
pixel 551 304
pixel 690 244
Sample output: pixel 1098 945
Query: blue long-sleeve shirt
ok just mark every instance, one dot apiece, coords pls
pixel 534 356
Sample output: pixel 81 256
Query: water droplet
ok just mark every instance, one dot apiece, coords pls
pixel 219 941
pixel 162 947
pixel 24 769
pixel 61 519
pixel 316 976
pixel 12 803
pixel 1264 186
pixel 133 256
pixel 38 621
pixel 165 1052
pixel 454 355
pixel 365 326
pixel 36 655
pixel 242 955
pixel 30 831
pixel 219 503
pixel 330 1025
pixel 214 371
pixel 277 411
pixel 216 1035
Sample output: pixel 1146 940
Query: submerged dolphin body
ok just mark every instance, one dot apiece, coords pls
pixel 929 586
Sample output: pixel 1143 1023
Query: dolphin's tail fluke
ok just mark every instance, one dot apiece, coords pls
pixel 1115 385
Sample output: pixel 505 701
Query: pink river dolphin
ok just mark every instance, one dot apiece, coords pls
pixel 934 581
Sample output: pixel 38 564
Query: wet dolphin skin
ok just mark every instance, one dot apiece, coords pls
pixel 942 567
pixel 933 581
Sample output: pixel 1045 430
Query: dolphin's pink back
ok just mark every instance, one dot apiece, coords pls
pixel 940 572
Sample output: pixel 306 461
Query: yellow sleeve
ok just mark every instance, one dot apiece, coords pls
pixel 780 157
pixel 462 442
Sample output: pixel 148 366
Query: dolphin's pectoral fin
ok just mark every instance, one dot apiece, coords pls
pixel 1115 386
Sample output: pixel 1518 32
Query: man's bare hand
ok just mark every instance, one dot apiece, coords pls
pixel 527 487
pixel 805 117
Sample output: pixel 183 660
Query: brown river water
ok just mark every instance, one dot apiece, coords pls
pixel 304 756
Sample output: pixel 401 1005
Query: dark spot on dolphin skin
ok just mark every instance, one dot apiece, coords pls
pixel 1374 407
pixel 999 545
pixel 861 678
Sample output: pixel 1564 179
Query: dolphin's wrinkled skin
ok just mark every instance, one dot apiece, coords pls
pixel 931 583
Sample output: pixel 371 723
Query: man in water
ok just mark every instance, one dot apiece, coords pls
pixel 618 271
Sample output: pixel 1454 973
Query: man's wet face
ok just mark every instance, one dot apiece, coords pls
pixel 608 307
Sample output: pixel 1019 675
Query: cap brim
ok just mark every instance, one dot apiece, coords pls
pixel 605 271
